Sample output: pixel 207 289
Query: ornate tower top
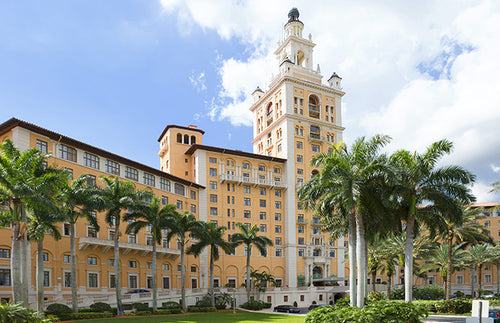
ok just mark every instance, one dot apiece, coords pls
pixel 293 15
pixel 294 26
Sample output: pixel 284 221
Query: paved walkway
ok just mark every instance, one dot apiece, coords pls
pixel 445 318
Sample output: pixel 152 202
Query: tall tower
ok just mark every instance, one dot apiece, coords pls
pixel 295 119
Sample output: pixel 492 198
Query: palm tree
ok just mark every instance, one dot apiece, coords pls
pixel 74 200
pixel 478 256
pixel 21 182
pixel 116 197
pixel 440 261
pixel 154 216
pixel 179 225
pixel 42 222
pixel 419 181
pixel 249 237
pixel 496 261
pixel 465 231
pixel 343 189
pixel 209 235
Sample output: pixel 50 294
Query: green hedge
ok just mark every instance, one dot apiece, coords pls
pixel 100 307
pixel 56 309
pixel 83 316
pixel 267 305
pixel 168 311
pixel 374 312
pixel 253 305
pixel 201 309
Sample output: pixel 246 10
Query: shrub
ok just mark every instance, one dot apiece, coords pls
pixel 343 301
pixel 140 307
pixel 267 305
pixel 204 303
pixel 52 318
pixel 295 304
pixel 456 306
pixel 253 305
pixel 168 311
pixel 57 309
pixel 88 316
pixel 100 307
pixel 314 303
pixel 86 310
pixel 195 309
pixel 429 292
pixel 376 296
pixel 13 313
pixel 374 312
pixel 114 310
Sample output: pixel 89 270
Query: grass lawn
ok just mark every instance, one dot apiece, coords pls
pixel 218 317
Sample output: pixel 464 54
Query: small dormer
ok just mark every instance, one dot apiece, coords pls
pixel 335 81
pixel 257 94
pixel 286 66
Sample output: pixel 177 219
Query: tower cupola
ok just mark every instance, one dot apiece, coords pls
pixel 335 81
pixel 294 26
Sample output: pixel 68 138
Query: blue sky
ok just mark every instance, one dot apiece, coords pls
pixel 114 73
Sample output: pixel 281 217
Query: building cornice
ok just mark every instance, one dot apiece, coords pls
pixel 195 147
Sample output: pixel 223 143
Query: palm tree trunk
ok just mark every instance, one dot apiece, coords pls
pixel 212 301
pixel 473 273
pixel 498 277
pixel 361 260
pixel 74 297
pixel 389 282
pixel 248 284
pixel 352 259
pixel 183 279
pixel 155 289
pixel 374 276
pixel 118 289
pixel 25 270
pixel 449 268
pixel 16 262
pixel 410 224
pixel 479 281
pixel 39 276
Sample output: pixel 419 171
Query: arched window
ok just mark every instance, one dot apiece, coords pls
pixel 186 139
pixel 313 103
pixel 269 108
pixel 179 138
pixel 300 57
pixel 193 140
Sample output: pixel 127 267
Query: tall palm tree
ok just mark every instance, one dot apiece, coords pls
pixel 248 236
pixel 154 216
pixel 21 182
pixel 344 188
pixel 74 200
pixel 419 181
pixel 496 261
pixel 478 256
pixel 116 197
pixel 211 236
pixel 179 225
pixel 439 260
pixel 464 232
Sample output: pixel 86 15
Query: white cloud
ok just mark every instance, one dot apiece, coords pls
pixel 198 81
pixel 494 168
pixel 418 71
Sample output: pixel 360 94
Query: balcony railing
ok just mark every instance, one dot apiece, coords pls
pixel 316 137
pixel 252 180
pixel 126 247
pixel 302 221
pixel 313 109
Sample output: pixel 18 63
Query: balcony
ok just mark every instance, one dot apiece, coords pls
pixel 251 180
pixel 316 137
pixel 316 222
pixel 302 221
pixel 126 247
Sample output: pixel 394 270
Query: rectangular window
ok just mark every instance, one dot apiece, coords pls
pixel 132 281
pixel 42 146
pixel 278 252
pixel 111 262
pixel 262 168
pixel 332 253
pixel 277 205
pixel 277 193
pixel 112 282
pixel 300 145
pixel 276 170
pixel 215 223
pixel 212 160
pixel 179 205
pixel 300 229
pixel 4 253
pixel 277 216
pixel 262 203
pixel 149 240
pixel 213 172
pixel 246 201
pixel 67 279
pixel 301 252
pixel 90 160
pixel 91 232
pixel 91 180
pixel 166 282
pixel 164 200
pixel 213 198
pixel 92 261
pixel 112 167
pixel 262 215
pixel 67 259
pixel 301 241
pixel 213 211
pixel 193 209
pixel 132 238
pixel 300 159
pixel 277 241
pixel 299 206
pixel 277 229
pixel 68 153
pixel 460 279
pixel 213 185
pixel 131 173
pixel 246 214
pixel 262 191
pixel 93 280
pixel 192 194
pixel 315 148
pixel 46 278
pixel 263 228
pixel 132 264
pixel 148 179
pixel 164 184
pixel 246 189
